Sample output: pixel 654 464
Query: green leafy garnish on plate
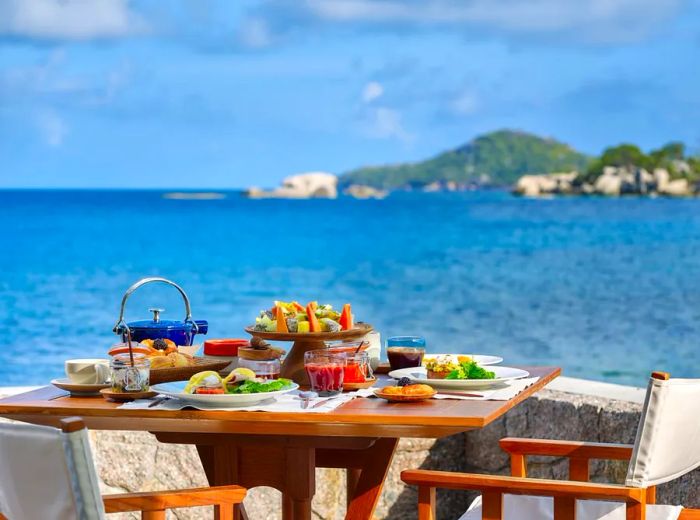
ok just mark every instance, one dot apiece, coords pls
pixel 253 387
pixel 470 370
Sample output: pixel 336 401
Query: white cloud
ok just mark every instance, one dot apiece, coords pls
pixel 595 20
pixel 372 91
pixel 255 33
pixel 68 19
pixel 466 103
pixel 386 123
pixel 52 128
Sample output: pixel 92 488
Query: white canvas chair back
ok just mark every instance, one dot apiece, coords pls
pixel 47 474
pixel 668 437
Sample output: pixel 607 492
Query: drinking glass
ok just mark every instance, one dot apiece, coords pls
pixel 128 378
pixel 325 371
pixel 405 351
pixel 357 364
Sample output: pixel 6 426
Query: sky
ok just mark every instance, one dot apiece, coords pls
pixel 230 94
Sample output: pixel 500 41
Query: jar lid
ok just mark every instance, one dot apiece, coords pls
pixel 224 347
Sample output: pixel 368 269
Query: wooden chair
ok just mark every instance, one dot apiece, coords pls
pixel 667 446
pixel 47 473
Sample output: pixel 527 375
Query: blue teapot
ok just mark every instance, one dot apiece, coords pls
pixel 180 332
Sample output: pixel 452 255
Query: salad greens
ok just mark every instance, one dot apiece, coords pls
pixel 470 370
pixel 255 387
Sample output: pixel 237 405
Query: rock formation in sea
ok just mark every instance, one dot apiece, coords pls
pixel 614 181
pixel 310 185
pixel 361 191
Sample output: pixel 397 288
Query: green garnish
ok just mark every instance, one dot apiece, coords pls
pixel 253 387
pixel 470 370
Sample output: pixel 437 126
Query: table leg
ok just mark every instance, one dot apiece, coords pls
pixel 222 474
pixel 287 467
pixel 377 460
pixel 352 477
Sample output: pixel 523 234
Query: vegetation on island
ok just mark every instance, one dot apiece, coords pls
pixel 671 157
pixel 494 159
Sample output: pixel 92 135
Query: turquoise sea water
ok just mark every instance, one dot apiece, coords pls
pixel 607 288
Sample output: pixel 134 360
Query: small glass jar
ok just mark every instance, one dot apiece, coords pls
pixel 128 378
pixel 263 368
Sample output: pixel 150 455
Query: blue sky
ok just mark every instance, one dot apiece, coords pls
pixel 202 94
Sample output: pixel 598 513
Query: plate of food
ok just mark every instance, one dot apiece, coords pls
pixel 291 319
pixel 444 360
pixel 239 388
pixel 465 375
pixel 406 393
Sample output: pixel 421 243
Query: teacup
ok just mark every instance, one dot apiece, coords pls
pixel 88 371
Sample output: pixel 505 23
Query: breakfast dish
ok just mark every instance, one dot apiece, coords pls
pixel 162 353
pixel 480 359
pixel 456 367
pixel 501 376
pixel 239 388
pixel 404 391
pixel 292 317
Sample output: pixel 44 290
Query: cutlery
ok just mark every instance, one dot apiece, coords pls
pixel 158 400
pixel 306 398
pixel 324 401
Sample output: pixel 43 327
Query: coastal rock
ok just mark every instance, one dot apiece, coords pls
pixel 676 188
pixel 661 178
pixel 545 184
pixel 361 191
pixel 608 184
pixel 311 185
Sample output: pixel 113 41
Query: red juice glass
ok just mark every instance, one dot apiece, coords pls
pixel 325 371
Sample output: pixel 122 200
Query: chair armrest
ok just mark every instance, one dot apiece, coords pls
pixel 569 449
pixel 160 500
pixel 523 486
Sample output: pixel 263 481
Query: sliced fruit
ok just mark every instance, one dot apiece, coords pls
pixel 314 325
pixel 242 373
pixel 281 320
pixel 298 306
pixel 303 326
pixel 346 321
pixel 313 306
pixel 328 325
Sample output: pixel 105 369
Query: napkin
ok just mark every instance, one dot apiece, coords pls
pixel 290 402
pixel 504 393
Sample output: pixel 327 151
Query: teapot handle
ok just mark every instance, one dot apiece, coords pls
pixel 121 326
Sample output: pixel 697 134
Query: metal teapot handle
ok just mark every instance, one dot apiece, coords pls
pixel 120 327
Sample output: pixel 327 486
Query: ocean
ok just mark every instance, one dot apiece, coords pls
pixel 609 289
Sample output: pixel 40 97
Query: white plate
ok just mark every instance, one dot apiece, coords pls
pixel 79 389
pixel 503 375
pixel 175 390
pixel 479 358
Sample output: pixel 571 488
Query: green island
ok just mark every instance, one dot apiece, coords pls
pixel 537 166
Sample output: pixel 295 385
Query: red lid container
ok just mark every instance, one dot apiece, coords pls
pixel 224 347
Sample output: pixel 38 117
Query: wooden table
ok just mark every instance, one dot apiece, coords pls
pixel 282 450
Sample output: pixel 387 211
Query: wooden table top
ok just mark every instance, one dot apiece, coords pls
pixel 361 417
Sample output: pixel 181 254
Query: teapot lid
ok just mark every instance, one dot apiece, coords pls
pixel 157 324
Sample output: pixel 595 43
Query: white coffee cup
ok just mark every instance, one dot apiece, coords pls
pixel 88 371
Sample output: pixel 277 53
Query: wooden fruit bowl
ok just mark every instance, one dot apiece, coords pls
pixel 293 365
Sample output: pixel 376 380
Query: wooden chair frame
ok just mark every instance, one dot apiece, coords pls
pixel 153 504
pixel 565 493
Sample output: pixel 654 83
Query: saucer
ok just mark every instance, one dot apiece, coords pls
pixel 79 390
